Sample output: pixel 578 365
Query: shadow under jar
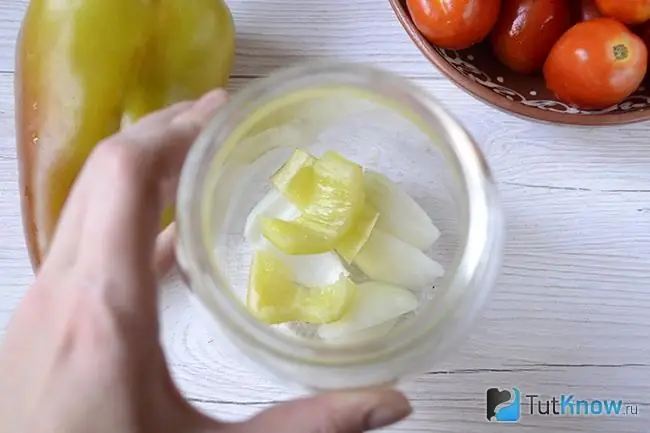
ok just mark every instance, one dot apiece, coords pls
pixel 383 123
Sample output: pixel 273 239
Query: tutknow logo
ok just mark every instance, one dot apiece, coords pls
pixel 505 406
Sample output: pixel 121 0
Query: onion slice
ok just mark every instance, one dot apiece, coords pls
pixel 390 260
pixel 400 215
pixel 375 303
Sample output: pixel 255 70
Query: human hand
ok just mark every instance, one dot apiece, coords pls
pixel 82 352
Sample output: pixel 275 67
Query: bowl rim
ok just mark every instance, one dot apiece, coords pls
pixel 499 102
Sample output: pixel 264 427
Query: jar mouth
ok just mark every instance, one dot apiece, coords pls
pixel 480 249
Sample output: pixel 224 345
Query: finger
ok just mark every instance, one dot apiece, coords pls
pixel 127 203
pixel 165 115
pixel 163 139
pixel 111 217
pixel 62 253
pixel 341 412
pixel 164 258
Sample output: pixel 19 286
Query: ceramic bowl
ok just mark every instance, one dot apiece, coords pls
pixel 477 71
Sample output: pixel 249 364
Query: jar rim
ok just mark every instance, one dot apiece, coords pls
pixel 480 251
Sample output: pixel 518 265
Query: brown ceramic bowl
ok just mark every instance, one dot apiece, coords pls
pixel 477 71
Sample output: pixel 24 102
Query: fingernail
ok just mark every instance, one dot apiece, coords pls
pixel 388 413
pixel 211 100
pixel 203 109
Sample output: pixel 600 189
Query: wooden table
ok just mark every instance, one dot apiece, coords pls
pixel 571 311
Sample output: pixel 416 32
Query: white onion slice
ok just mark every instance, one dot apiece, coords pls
pixel 390 260
pixel 400 215
pixel 375 304
pixel 272 205
pixel 310 270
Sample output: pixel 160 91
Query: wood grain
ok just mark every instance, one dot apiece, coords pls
pixel 570 311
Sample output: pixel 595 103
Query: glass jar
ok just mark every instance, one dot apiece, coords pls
pixel 384 123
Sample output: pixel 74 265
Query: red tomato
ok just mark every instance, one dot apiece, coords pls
pixel 527 30
pixel 454 24
pixel 584 10
pixel 628 11
pixel 596 64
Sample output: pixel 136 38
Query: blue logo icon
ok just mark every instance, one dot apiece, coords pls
pixel 503 405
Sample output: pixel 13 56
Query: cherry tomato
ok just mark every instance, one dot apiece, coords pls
pixel 584 10
pixel 627 11
pixel 454 24
pixel 596 64
pixel 527 30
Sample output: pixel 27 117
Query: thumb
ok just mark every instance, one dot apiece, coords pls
pixel 340 412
